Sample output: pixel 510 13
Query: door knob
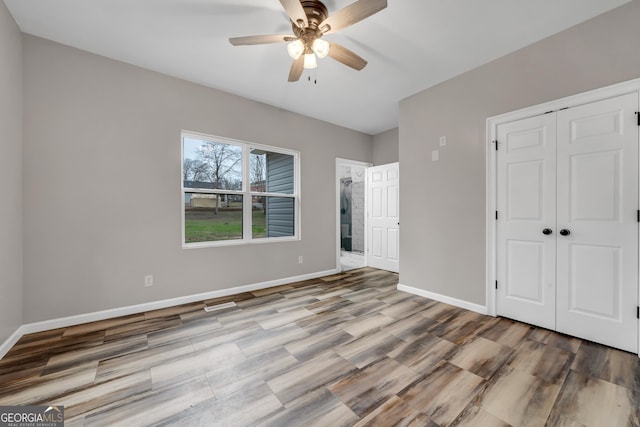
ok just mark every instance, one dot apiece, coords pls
pixel 565 232
pixel 547 231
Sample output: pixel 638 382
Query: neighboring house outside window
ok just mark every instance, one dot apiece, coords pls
pixel 237 192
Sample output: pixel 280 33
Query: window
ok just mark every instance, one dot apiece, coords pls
pixel 236 192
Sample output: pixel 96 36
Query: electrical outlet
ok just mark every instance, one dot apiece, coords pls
pixel 443 141
pixel 148 280
pixel 300 259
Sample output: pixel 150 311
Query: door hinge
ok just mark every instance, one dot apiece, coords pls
pixel 496 144
pixel 638 117
pixel 496 284
pixel 496 215
pixel 638 215
pixel 638 312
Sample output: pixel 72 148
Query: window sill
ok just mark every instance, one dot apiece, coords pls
pixel 217 244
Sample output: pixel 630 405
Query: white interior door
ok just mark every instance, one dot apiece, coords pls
pixel 597 273
pixel 526 256
pixel 383 200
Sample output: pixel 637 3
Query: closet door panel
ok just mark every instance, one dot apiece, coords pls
pixel 597 201
pixel 526 205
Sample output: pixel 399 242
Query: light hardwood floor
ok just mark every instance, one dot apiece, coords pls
pixel 342 350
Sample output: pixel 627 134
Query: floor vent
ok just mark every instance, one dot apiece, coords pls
pixel 210 308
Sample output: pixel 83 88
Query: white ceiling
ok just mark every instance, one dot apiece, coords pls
pixel 410 46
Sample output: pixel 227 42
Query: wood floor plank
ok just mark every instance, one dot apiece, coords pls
pixel 545 362
pixel 386 376
pixel 319 408
pixel 395 412
pixel 368 348
pixel 241 375
pixel 47 388
pixel 242 408
pixel 152 406
pixel 444 393
pixel 98 352
pixel 309 376
pixel 481 356
pixel 194 364
pixel 349 349
pixel 519 398
pixel 423 355
pixel 144 359
pixel 81 400
pixel 102 325
pixel 593 402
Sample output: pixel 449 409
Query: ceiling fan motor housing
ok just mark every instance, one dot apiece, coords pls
pixel 316 12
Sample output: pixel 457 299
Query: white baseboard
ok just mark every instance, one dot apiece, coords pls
pixel 63 322
pixel 11 341
pixel 445 299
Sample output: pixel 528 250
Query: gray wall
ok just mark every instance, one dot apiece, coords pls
pixel 385 147
pixel 10 175
pixel 443 203
pixel 102 192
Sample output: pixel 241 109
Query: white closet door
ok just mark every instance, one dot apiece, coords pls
pixel 526 205
pixel 597 268
pixel 383 242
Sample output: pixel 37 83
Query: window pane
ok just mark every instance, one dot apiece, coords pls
pixel 271 172
pixel 212 217
pixel 272 216
pixel 214 165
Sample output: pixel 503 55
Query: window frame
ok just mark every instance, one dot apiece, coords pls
pixel 245 192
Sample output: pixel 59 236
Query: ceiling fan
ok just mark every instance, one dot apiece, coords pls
pixel 310 21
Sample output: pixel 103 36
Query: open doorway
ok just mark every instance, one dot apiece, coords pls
pixel 350 192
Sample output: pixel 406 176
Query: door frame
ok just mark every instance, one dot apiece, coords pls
pixel 346 162
pixel 631 86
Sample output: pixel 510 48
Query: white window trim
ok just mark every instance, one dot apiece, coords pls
pixel 246 192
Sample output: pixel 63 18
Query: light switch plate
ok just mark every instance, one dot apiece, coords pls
pixel 435 155
pixel 443 141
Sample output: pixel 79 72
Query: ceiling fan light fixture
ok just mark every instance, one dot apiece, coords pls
pixel 295 49
pixel 310 61
pixel 320 47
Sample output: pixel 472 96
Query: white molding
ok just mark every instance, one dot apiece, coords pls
pixel 491 182
pixel 595 95
pixel 245 192
pixel 568 102
pixel 63 322
pixel 346 162
pixel 11 341
pixel 491 226
pixel 443 298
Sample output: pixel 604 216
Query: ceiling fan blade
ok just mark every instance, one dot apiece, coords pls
pixel 263 39
pixel 295 11
pixel 347 57
pixel 352 14
pixel 296 69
